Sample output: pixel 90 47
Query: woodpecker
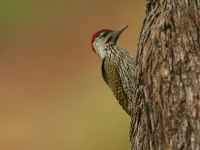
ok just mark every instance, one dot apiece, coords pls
pixel 118 65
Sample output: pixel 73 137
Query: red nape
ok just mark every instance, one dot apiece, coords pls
pixel 95 35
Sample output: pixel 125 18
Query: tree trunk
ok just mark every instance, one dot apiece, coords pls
pixel 166 112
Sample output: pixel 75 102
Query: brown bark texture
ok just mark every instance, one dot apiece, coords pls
pixel 166 105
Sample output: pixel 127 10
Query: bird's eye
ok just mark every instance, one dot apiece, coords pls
pixel 104 34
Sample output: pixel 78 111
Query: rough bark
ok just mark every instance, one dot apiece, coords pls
pixel 166 112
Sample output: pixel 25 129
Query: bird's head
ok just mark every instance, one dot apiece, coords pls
pixel 102 39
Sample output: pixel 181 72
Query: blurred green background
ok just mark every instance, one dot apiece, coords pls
pixel 52 95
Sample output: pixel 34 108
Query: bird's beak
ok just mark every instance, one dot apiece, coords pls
pixel 115 34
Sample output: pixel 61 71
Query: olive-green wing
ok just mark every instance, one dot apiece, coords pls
pixel 111 76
